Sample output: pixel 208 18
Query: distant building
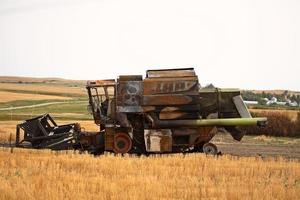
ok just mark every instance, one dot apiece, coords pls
pixel 266 99
pixel 293 104
pixel 273 100
pixel 281 103
pixel 251 102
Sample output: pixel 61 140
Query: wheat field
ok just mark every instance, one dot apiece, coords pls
pixel 292 114
pixel 42 174
pixel 12 96
pixel 43 88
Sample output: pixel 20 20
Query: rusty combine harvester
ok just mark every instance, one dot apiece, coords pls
pixel 167 111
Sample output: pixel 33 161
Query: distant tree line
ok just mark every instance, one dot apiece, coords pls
pixel 251 96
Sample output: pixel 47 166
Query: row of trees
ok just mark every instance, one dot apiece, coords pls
pixel 251 96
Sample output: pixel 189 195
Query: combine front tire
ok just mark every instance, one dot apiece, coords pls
pixel 122 143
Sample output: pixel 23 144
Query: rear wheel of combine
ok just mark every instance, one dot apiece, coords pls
pixel 122 143
pixel 210 149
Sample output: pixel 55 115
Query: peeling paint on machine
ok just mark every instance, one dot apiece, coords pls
pixel 158 140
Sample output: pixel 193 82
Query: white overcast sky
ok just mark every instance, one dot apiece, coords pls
pixel 232 43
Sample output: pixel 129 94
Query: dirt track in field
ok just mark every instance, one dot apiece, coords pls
pixel 290 152
pixel 260 146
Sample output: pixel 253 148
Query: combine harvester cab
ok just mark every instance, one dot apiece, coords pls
pixel 167 111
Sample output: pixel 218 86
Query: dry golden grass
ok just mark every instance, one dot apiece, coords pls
pixel 291 113
pixel 7 127
pixel 12 96
pixel 43 88
pixel 33 174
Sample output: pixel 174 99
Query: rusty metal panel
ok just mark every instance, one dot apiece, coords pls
pixel 172 115
pixel 169 99
pixel 130 78
pixel 184 108
pixel 179 112
pixel 129 93
pixel 158 140
pixel 92 139
pixel 175 108
pixel 149 108
pixel 208 101
pixel 227 108
pixel 109 137
pixel 206 133
pixel 178 115
pixel 241 107
pixel 184 72
pixel 108 82
pixel 129 96
pixel 188 85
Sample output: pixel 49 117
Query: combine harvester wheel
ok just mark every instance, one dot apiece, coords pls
pixel 210 149
pixel 122 143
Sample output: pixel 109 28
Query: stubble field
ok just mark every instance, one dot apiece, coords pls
pixel 271 169
pixel 33 174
